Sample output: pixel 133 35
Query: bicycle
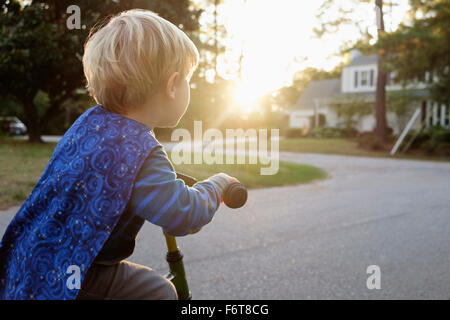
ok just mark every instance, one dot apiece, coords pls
pixel 235 196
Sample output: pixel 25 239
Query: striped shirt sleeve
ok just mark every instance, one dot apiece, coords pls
pixel 159 197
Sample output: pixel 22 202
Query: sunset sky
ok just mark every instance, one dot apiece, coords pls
pixel 277 40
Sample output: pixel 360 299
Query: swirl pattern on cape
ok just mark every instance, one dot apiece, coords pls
pixel 74 206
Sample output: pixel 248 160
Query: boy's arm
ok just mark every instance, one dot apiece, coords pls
pixel 167 202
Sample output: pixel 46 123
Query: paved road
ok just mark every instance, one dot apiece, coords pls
pixel 317 240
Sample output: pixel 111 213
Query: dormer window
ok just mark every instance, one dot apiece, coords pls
pixel 364 78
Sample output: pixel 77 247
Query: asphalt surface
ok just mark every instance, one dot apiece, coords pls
pixel 316 241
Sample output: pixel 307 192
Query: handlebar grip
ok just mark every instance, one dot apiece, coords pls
pixel 235 195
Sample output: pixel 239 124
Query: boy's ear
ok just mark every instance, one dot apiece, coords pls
pixel 171 85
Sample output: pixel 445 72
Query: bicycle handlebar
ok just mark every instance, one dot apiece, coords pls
pixel 234 196
pixel 188 180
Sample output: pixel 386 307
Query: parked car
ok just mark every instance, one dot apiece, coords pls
pixel 12 126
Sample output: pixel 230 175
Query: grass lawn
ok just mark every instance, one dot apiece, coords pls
pixel 21 165
pixel 343 147
pixel 249 175
pixel 327 146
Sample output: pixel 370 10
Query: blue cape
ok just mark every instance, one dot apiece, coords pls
pixel 74 207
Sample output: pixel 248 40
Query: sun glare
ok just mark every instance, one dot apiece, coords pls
pixel 246 95
pixel 267 43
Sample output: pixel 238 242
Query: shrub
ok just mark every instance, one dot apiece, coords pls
pixel 419 140
pixel 328 133
pixel 435 148
pixel 427 146
pixel 294 133
pixel 439 134
pixel 443 149
pixel 370 142
pixel 434 141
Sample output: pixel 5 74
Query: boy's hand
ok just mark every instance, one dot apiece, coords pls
pixel 227 181
pixel 228 178
pixel 222 181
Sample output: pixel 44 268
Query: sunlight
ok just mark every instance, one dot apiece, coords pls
pixel 245 96
pixel 267 44
pixel 272 42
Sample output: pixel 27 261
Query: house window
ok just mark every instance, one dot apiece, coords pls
pixel 372 75
pixel 364 80
pixel 356 79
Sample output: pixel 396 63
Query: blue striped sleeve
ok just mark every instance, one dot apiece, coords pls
pixel 159 197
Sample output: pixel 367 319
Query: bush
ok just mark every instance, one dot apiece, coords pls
pixel 435 148
pixel 439 134
pixel 294 133
pixel 419 140
pixel 435 141
pixel 443 149
pixel 370 142
pixel 328 133
pixel 427 146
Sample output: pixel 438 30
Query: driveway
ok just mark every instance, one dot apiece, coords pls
pixel 316 241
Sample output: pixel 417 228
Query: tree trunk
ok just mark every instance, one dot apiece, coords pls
pixel 216 48
pixel 32 122
pixel 380 100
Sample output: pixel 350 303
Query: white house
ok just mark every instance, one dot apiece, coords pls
pixel 318 104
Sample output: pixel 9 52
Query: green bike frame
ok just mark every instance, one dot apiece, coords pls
pixel 174 256
pixel 177 274
pixel 235 196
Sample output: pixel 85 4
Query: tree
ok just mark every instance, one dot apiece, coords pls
pixel 399 102
pixel 342 15
pixel 208 39
pixel 420 46
pixel 351 108
pixel 381 130
pixel 39 53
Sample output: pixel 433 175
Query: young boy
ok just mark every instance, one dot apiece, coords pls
pixel 109 174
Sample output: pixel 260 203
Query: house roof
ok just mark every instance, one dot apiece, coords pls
pixel 324 92
pixel 321 90
pixel 361 60
pixel 328 91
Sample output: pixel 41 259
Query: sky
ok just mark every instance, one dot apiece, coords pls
pixel 277 39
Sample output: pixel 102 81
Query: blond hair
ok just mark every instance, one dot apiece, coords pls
pixel 130 58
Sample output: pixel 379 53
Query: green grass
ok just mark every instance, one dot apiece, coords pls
pixel 343 147
pixel 249 175
pixel 21 165
pixel 326 146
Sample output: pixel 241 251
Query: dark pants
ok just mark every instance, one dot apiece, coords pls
pixel 125 281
